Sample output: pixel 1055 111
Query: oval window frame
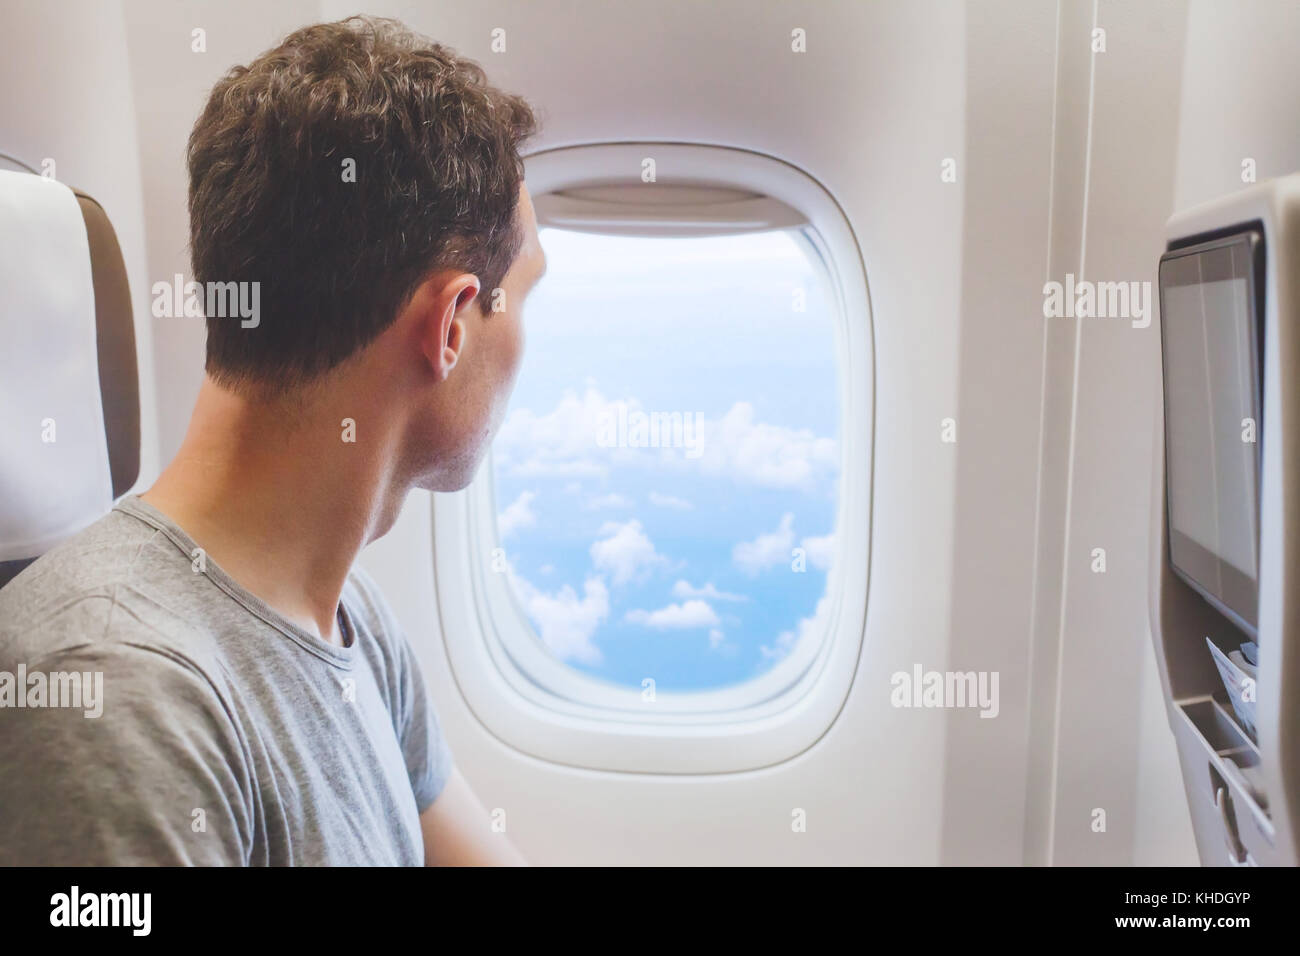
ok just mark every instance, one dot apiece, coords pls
pixel 539 706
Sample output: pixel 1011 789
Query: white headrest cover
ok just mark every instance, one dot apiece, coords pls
pixel 54 475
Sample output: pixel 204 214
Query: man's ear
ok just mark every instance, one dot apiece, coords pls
pixel 443 332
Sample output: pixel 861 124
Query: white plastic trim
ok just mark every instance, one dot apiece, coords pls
pixel 530 701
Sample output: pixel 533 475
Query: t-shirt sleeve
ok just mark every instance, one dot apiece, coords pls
pixel 428 754
pixel 149 769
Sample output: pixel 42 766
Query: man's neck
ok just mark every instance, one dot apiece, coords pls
pixel 279 499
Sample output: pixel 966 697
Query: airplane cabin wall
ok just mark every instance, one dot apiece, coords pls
pixel 1010 53
pixel 1105 786
pixel 1240 87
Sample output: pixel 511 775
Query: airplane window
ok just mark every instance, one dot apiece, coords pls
pixel 666 476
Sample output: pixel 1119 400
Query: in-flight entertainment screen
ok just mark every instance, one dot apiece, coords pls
pixel 1210 326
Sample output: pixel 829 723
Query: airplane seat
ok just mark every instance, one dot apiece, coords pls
pixel 70 429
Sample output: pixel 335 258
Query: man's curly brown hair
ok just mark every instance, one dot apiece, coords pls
pixel 437 176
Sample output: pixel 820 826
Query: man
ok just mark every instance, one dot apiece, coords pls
pixel 260 705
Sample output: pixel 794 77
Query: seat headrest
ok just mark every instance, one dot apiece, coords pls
pixel 70 435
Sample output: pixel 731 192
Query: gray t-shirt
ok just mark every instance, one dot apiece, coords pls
pixel 226 733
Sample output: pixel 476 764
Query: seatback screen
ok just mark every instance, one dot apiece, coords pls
pixel 1210 326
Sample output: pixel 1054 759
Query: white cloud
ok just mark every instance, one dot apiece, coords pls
pixel 564 621
pixel 564 442
pixel 809 628
pixel 670 501
pixel 626 552
pixel 767 550
pixel 820 551
pixel 517 515
pixel 684 589
pixel 612 500
pixel 561 442
pixel 772 456
pixel 716 637
pixel 676 617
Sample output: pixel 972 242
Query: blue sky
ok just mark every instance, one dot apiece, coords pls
pixel 673 563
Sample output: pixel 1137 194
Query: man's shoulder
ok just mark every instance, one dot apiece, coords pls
pixel 365 601
pixel 371 610
pixel 117 582
pixel 365 596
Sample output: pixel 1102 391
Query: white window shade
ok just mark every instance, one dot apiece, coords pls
pixel 664 210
